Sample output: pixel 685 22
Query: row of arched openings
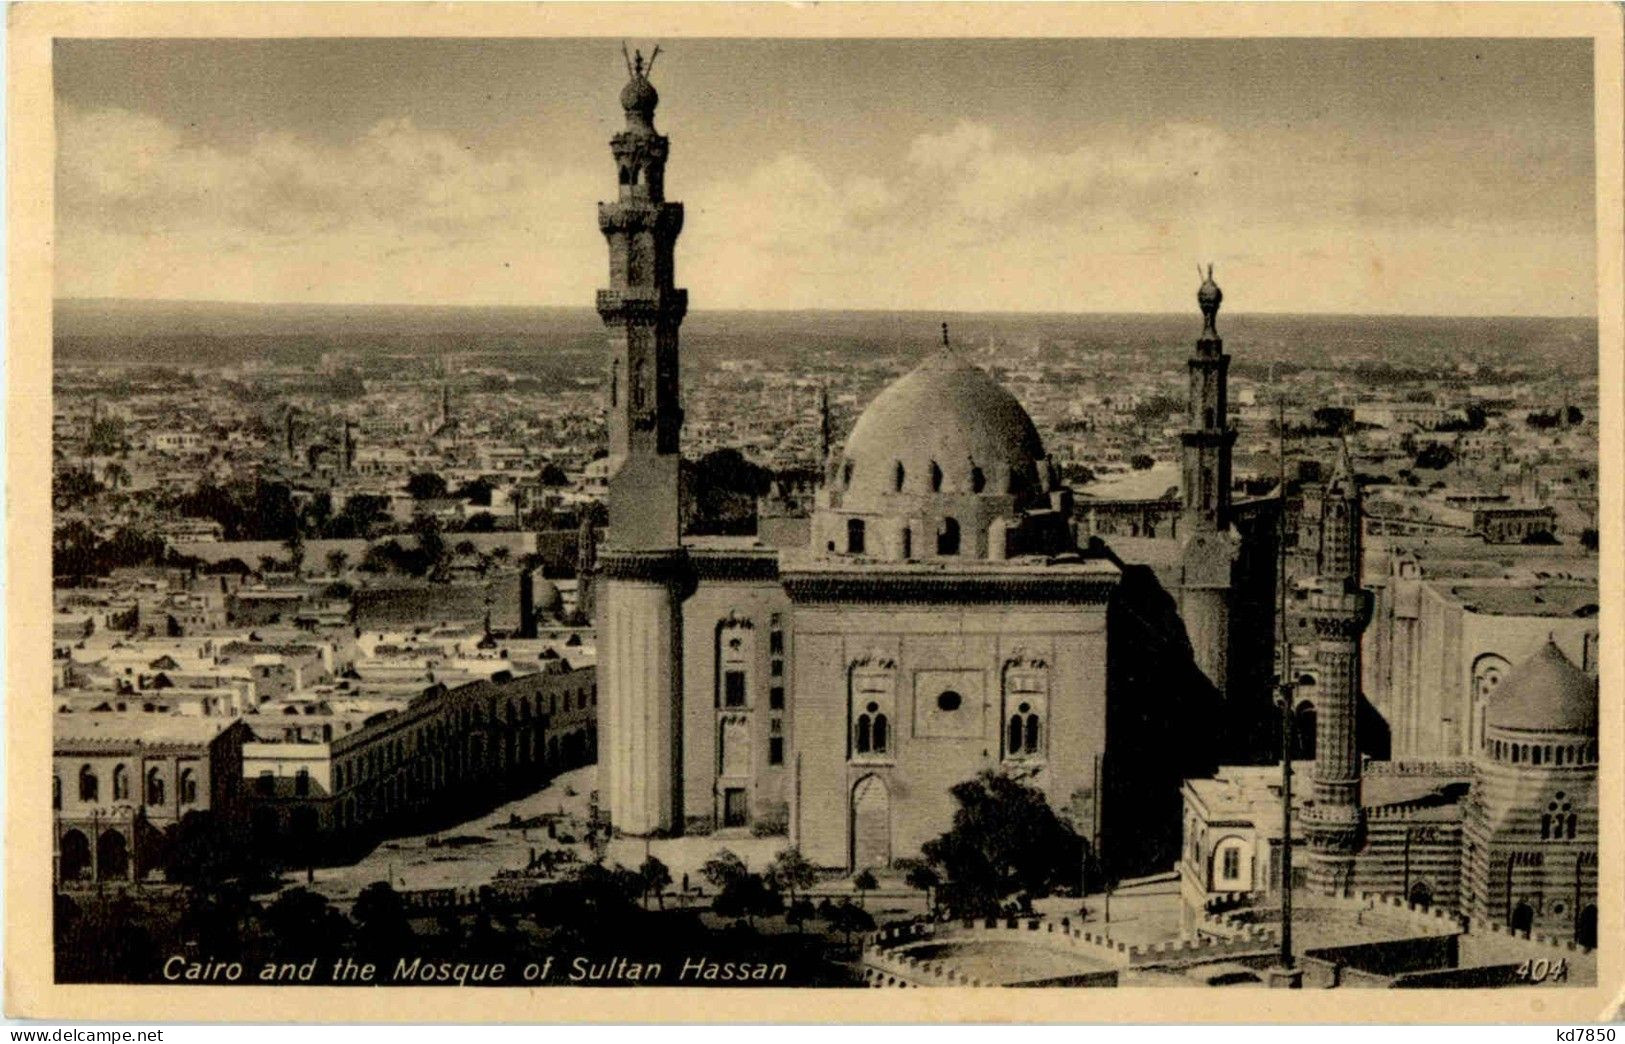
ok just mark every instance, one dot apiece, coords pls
pixel 155 790
pixel 112 858
pixel 947 537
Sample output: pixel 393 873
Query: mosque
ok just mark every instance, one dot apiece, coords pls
pixel 948 615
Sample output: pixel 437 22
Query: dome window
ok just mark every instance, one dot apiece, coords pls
pixel 978 481
pixel 846 473
pixel 948 537
pixel 898 475
pixel 936 478
pixel 949 701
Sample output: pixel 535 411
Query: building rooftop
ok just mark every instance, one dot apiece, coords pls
pixel 113 729
pixel 1499 597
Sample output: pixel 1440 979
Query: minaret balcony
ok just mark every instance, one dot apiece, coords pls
pixel 640 215
pixel 643 302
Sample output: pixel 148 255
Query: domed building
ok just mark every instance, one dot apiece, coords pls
pixel 1530 833
pixel 938 620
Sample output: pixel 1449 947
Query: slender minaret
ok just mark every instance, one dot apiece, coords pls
pixel 1210 549
pixel 1208 437
pixel 642 570
pixel 823 428
pixel 1339 610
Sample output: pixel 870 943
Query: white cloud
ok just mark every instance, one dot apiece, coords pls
pixel 961 219
pixel 394 213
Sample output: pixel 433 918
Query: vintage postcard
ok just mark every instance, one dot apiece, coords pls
pixel 690 512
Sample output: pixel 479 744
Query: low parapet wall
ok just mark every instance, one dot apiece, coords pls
pixel 1243 940
pixel 1550 942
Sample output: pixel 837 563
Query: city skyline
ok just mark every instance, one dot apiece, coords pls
pixel 391 171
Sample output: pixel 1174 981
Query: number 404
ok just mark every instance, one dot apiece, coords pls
pixel 1543 969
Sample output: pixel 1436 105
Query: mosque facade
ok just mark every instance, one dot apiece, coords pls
pixel 943 619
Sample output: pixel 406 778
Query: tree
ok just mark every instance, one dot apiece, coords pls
pixel 426 485
pixel 923 876
pixel 1588 539
pixel 800 912
pixel 431 545
pixel 655 877
pixel 106 438
pixel 865 882
pixel 1005 840
pixel 477 492
pixel 382 930
pixel 791 871
pixel 303 924
pixel 117 475
pixel 481 522
pixel 336 561
pixel 553 475
pixel 1141 462
pixel 295 546
pixel 1435 455
pixel 1540 536
pixel 71 487
pixel 723 867
pixel 846 919
pixel 747 895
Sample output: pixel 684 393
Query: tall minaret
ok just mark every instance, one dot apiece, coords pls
pixel 823 427
pixel 1210 549
pixel 1208 437
pixel 642 569
pixel 1339 609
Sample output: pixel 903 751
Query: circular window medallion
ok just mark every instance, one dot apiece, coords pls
pixel 949 700
pixel 873 707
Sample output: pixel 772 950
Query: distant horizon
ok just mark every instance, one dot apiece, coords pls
pixel 492 307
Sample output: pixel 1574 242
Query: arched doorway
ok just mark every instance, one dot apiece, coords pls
pixel 112 856
pixel 1421 895
pixel 1523 918
pixel 1585 928
pixel 75 857
pixel 871 824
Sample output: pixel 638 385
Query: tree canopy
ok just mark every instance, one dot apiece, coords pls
pixel 1005 841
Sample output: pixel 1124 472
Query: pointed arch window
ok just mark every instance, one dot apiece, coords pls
pixel 155 787
pixel 89 785
pixel 1026 705
pixel 948 537
pixel 872 702
pixel 936 477
pixel 899 473
pixel 121 783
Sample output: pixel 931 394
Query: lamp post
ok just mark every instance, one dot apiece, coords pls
pixel 1284 702
pixel 1283 689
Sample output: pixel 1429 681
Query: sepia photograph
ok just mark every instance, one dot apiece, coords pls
pixel 860 510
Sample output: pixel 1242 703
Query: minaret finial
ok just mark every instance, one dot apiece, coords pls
pixel 1209 297
pixel 630 74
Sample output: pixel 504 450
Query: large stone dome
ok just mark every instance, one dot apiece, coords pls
pixel 945 427
pixel 1545 693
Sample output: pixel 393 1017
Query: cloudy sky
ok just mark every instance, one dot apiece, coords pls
pixel 1423 177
